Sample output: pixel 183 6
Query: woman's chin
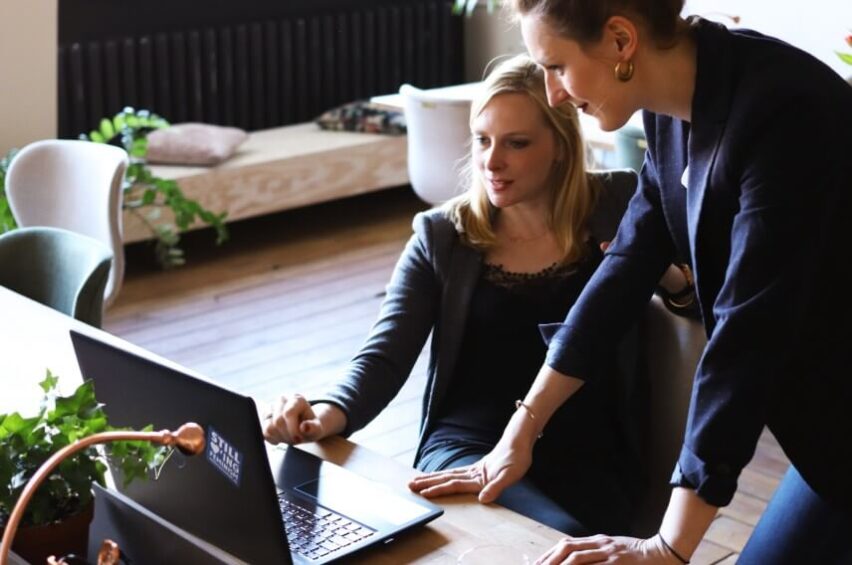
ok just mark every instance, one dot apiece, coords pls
pixel 499 200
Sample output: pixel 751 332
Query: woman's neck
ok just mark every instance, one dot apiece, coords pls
pixel 668 78
pixel 522 222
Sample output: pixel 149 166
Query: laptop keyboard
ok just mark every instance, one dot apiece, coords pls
pixel 317 532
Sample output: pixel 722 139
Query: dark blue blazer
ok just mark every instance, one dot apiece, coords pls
pixel 763 215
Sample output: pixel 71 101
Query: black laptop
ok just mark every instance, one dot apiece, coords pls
pixel 301 510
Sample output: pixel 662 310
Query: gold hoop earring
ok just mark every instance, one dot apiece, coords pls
pixel 624 70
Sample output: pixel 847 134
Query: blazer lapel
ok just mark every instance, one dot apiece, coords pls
pixel 462 275
pixel 710 107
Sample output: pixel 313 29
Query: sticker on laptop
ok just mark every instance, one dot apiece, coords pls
pixel 224 456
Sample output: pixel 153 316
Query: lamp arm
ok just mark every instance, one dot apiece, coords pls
pixel 189 438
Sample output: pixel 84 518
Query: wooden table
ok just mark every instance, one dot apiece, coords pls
pixel 34 337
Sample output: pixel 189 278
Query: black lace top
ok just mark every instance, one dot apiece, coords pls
pixel 501 353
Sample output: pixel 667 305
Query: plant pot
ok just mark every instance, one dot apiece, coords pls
pixel 71 535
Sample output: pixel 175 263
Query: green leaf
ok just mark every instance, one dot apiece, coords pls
pixel 148 197
pixel 106 128
pixel 119 122
pixel 96 137
pixel 139 147
pixel 49 383
pixel 845 57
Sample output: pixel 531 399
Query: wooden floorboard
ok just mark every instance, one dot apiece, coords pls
pixel 286 303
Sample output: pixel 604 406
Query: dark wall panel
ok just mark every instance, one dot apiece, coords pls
pixel 254 64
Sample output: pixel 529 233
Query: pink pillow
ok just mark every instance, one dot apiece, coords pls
pixel 193 144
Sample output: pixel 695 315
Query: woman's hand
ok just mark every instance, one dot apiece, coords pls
pixel 606 549
pixel 293 420
pixel 502 467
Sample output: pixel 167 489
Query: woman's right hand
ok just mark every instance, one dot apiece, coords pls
pixel 293 420
pixel 505 465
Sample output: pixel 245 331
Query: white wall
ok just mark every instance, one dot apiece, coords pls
pixel 28 43
pixel 817 26
pixel 487 36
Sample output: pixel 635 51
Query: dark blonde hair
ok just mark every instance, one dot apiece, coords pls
pixel 572 195
pixel 583 20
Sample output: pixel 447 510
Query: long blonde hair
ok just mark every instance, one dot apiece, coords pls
pixel 572 194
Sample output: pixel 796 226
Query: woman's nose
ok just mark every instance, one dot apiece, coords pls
pixel 493 159
pixel 556 93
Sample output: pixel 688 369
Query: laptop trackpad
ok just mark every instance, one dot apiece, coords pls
pixel 356 498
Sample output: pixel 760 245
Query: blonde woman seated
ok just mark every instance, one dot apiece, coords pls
pixel 484 272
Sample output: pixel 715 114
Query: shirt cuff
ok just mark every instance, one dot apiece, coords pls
pixel 716 483
pixel 565 353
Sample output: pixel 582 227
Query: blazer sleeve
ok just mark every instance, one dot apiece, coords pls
pixel 407 315
pixel 621 287
pixel 760 310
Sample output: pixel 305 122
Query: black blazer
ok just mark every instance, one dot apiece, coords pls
pixel 762 216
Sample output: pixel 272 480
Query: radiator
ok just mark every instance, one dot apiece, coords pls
pixel 257 73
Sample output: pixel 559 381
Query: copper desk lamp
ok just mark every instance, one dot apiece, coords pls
pixel 189 439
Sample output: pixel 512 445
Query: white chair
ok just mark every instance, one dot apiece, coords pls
pixel 75 185
pixel 438 143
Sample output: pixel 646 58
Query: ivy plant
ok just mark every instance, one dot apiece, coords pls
pixel 7 221
pixel 26 443
pixel 145 195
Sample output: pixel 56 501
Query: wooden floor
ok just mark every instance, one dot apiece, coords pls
pixel 286 303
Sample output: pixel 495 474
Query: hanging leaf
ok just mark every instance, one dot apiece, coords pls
pixel 106 128
pixel 145 194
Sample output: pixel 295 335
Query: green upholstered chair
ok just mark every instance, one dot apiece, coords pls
pixel 74 185
pixel 59 268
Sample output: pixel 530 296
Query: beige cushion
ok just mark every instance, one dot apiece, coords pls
pixel 193 144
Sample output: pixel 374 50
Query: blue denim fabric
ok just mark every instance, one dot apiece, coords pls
pixel 799 527
pixel 523 497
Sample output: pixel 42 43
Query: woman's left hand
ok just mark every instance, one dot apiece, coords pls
pixel 608 549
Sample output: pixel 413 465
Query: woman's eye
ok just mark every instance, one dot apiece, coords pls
pixel 480 140
pixel 559 71
pixel 518 143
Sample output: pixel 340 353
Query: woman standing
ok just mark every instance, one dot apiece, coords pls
pixel 748 173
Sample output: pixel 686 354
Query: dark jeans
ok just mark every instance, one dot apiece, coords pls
pixel 523 497
pixel 799 527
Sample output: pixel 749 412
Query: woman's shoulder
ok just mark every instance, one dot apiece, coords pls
pixel 434 224
pixel 436 233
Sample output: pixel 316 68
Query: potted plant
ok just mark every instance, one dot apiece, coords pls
pixel 57 518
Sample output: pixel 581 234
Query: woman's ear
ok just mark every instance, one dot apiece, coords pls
pixel 620 38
